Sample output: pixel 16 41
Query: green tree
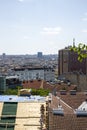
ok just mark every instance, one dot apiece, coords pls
pixel 11 92
pixel 41 92
pixel 81 50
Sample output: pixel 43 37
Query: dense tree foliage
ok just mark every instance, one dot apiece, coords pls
pixel 13 91
pixel 81 50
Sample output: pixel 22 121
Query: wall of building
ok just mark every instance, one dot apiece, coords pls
pixel 68 62
pixel 49 75
pixel 60 64
pixel 79 80
pixel 44 74
pixel 30 74
pixel 2 84
pixel 12 82
pixel 65 61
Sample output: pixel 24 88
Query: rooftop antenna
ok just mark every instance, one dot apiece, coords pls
pixel 73 42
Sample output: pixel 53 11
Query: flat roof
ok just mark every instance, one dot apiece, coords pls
pixel 15 98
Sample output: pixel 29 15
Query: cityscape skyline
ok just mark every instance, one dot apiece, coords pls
pixel 31 26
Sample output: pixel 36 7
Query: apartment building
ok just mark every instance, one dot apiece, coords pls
pixel 32 73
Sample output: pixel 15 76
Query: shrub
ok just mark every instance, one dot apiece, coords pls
pixel 41 92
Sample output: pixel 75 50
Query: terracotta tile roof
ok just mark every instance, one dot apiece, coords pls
pixel 73 100
pixel 69 103
pixel 46 85
pixel 57 101
pixel 37 84
pixel 32 84
pixel 69 121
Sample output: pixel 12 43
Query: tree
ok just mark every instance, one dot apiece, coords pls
pixel 81 50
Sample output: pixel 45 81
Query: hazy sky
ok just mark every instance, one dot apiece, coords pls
pixel 29 26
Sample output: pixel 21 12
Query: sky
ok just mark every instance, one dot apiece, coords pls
pixel 31 26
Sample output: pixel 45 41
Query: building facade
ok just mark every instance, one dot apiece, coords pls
pixel 2 84
pixel 12 82
pixel 39 55
pixel 44 73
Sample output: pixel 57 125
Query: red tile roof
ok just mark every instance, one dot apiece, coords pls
pixel 46 85
pixel 73 100
pixel 69 121
pixel 69 103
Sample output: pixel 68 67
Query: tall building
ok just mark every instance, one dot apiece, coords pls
pixel 39 55
pixel 68 62
pixel 3 55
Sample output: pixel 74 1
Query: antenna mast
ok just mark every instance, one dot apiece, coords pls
pixel 73 42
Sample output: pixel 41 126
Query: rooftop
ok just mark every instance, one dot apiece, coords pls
pixel 69 120
pixel 12 98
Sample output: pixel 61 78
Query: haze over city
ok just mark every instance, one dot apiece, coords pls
pixel 29 26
